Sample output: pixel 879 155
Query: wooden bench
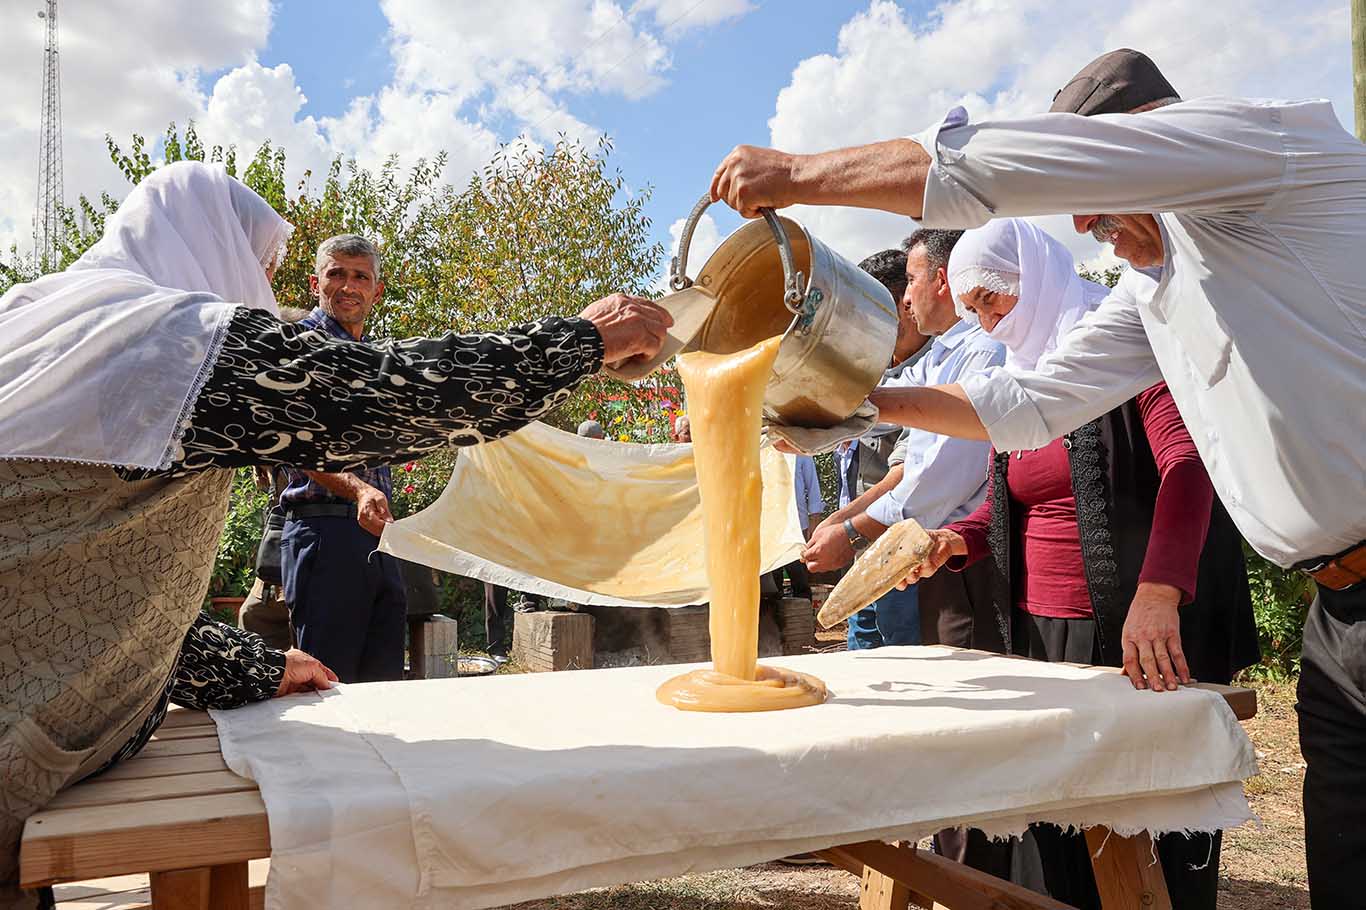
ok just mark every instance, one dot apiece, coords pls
pixel 176 811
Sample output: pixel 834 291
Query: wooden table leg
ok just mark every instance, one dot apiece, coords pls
pixel 228 888
pixel 1127 875
pixel 879 892
pixel 181 889
pixel 206 888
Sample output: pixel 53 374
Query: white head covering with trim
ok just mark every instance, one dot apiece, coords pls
pixel 102 363
pixel 1016 257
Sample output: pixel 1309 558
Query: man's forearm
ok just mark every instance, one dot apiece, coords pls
pixel 942 409
pixel 884 175
pixel 344 484
pixel 868 526
pixel 871 495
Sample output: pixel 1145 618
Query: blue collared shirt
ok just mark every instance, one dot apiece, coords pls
pixel 298 489
pixel 808 488
pixel 945 479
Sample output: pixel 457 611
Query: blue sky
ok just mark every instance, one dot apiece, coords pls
pixel 675 83
pixel 671 141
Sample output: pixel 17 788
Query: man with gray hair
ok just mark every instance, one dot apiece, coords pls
pixel 345 600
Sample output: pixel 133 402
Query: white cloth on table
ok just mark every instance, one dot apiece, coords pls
pixel 588 520
pixel 478 792
pixel 102 363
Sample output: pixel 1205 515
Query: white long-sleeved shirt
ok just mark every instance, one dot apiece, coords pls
pixel 1256 319
pixel 944 478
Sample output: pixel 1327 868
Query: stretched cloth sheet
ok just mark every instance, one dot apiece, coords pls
pixel 591 521
pixel 479 792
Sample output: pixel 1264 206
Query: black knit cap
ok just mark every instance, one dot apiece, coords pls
pixel 1113 83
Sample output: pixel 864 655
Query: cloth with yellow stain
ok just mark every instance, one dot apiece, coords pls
pixel 586 520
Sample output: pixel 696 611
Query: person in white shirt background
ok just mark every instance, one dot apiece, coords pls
pixel 1244 222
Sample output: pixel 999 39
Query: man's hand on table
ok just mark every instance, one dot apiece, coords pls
pixel 630 327
pixel 372 510
pixel 1153 658
pixel 829 549
pixel 304 673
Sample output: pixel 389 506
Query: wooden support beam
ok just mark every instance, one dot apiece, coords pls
pixel 929 877
pixel 882 892
pixel 1128 875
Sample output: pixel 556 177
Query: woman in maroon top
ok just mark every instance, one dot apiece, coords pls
pixel 1097 539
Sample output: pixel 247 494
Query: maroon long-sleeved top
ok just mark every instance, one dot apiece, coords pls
pixel 1052 579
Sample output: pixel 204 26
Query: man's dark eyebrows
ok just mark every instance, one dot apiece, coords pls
pixel 342 270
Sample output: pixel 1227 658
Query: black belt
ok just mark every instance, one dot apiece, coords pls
pixel 321 510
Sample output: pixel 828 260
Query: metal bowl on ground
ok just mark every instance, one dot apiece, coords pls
pixel 475 665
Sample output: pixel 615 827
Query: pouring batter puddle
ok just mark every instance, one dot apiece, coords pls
pixel 725 395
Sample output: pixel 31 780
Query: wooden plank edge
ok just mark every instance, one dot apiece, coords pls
pixel 943 880
pixel 74 844
pixel 141 790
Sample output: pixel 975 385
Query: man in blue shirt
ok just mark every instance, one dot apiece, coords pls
pixel 807 485
pixel 894 618
pixel 345 600
pixel 941 478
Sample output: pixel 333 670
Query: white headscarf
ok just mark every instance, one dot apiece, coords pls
pixel 102 363
pixel 1013 256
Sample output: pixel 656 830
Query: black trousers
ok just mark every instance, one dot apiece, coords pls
pixel 801 579
pixel 346 601
pixel 497 616
pixel 1332 711
pixel 956 609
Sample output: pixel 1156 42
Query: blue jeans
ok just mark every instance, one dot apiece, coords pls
pixel 892 619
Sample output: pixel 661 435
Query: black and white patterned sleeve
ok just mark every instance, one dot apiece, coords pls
pixel 281 394
pixel 221 666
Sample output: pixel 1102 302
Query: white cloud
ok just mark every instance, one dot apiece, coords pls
pixel 676 16
pixel 524 54
pixel 144 77
pixel 467 74
pixel 895 71
pixel 706 237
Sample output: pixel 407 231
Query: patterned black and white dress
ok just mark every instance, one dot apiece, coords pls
pixel 284 394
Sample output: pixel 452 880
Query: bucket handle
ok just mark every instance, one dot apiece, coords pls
pixel 792 279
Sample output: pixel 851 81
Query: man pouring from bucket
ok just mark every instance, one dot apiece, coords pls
pixel 1244 222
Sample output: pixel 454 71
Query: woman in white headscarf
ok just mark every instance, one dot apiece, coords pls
pixel 1099 538
pixel 129 383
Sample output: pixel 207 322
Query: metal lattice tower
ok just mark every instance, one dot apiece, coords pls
pixel 47 217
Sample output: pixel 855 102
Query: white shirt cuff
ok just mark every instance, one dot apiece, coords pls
pixel 1005 409
pixel 947 204
pixel 885 510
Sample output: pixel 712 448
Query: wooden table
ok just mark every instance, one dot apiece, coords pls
pixel 176 811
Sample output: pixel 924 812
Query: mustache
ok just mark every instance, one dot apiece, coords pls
pixel 1105 228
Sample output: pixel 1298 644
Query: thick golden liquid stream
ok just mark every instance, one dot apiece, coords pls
pixel 725 401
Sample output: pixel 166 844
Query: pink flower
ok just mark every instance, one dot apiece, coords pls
pixel 409 488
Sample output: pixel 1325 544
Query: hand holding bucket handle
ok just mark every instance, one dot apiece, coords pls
pixel 792 279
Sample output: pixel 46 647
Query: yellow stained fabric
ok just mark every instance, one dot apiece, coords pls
pixel 587 520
